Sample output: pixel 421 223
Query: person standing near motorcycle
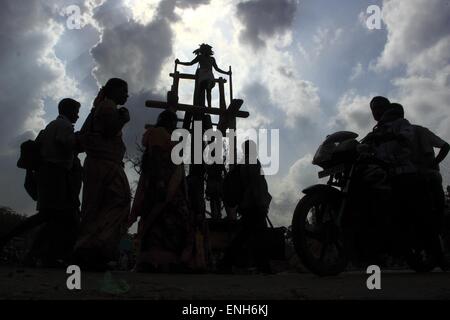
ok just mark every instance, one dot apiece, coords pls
pixel 392 142
pixel 392 139
pixel 427 163
pixel 376 195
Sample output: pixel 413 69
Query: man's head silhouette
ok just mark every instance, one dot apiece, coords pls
pixel 379 105
pixel 167 119
pixel 69 108
pixel 398 109
pixel 117 90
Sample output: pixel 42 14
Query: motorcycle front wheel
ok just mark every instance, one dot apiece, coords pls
pixel 317 238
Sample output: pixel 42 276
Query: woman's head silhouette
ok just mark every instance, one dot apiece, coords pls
pixel 204 49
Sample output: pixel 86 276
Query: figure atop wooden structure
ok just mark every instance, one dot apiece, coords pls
pixel 204 83
pixel 204 77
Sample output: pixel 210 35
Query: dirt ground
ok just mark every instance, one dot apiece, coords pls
pixel 19 283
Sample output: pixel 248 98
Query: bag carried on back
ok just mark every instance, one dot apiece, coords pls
pixel 30 156
pixel 30 160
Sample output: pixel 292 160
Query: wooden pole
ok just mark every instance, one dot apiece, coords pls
pixel 222 103
pixel 231 86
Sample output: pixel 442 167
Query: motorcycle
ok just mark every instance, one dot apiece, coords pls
pixel 354 217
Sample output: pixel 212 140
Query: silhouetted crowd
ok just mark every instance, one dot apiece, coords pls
pixel 401 158
pixel 407 152
pixel 172 235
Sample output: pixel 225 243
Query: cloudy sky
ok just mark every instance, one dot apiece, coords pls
pixel 307 68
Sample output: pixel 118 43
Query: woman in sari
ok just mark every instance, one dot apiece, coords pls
pixel 106 191
pixel 166 228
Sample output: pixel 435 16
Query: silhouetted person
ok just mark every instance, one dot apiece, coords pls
pixel 106 191
pixel 392 138
pixel 166 227
pixel 214 192
pixel 253 208
pixel 427 162
pixel 58 180
pixel 204 75
pixel 393 141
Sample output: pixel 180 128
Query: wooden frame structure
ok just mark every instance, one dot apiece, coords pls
pixel 227 116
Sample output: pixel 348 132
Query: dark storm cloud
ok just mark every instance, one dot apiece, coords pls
pixel 111 13
pixel 191 3
pixel 263 19
pixel 167 7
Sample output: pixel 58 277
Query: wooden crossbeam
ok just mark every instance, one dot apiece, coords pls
pixel 192 77
pixel 228 121
pixel 233 112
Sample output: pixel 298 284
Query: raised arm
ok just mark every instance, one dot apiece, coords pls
pixel 187 63
pixel 218 69
pixel 437 142
pixel 443 152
